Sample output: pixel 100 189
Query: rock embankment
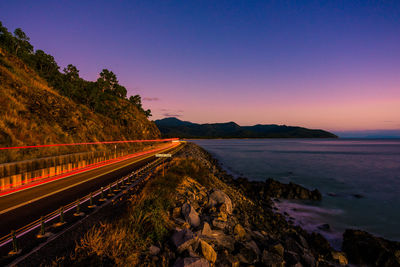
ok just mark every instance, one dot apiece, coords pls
pixel 216 224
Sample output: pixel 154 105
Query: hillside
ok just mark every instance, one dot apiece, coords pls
pixel 174 127
pixel 34 113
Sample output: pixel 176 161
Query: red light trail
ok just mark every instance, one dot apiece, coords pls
pixel 92 143
pixel 76 171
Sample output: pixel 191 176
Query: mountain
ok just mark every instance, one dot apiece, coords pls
pixel 173 127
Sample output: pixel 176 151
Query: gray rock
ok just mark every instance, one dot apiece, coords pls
pixel 190 215
pixel 218 197
pixel 154 250
pixel 191 262
pixel 219 224
pixel 272 259
pixel 182 239
pixel 252 245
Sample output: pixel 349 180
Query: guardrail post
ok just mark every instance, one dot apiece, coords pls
pixel 102 198
pixel 91 205
pixel 110 193
pixel 42 233
pixel 62 215
pixel 42 226
pixel 116 187
pixel 14 242
pixel 78 209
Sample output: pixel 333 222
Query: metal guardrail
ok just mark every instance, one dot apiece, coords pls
pixel 14 235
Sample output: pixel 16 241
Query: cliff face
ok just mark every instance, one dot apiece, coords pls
pixel 33 113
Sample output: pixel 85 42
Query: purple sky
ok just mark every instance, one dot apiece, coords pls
pixel 333 65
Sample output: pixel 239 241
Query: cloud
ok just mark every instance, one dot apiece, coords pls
pixel 167 114
pixel 150 99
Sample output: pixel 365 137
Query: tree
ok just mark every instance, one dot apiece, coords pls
pixel 71 72
pixel 136 100
pixel 6 38
pixel 22 44
pixel 107 81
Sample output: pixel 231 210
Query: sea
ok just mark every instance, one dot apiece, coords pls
pixel 359 179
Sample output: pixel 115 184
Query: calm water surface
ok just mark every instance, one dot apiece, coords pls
pixel 359 179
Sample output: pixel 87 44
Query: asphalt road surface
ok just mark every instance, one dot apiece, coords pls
pixel 20 208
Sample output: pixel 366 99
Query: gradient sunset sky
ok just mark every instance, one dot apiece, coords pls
pixel 333 65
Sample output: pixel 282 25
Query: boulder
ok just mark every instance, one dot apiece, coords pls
pixel 248 252
pixel 219 224
pixel 362 248
pixel 176 212
pixel 239 231
pixel 206 231
pixel 290 191
pixel 190 215
pixel 154 250
pixel 340 257
pixel 208 251
pixel 278 249
pixel 191 262
pixel 272 259
pixel 218 197
pixel 182 239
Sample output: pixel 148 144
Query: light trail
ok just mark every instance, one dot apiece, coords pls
pixel 92 143
pixel 74 172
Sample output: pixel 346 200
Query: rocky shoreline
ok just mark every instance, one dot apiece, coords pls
pixel 234 223
pixel 198 215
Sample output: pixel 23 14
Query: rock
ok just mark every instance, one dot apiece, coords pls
pixel 206 229
pixel 248 252
pixel 176 212
pixel 362 248
pixel 154 250
pixel 219 224
pixel 319 244
pixel 208 252
pixel 221 240
pixel 239 231
pixel 218 197
pixel 325 227
pixel 251 244
pixel 272 259
pixel 190 215
pixel 191 262
pixel 182 239
pixel 340 257
pixel 279 249
pixel 290 191
pixel 308 259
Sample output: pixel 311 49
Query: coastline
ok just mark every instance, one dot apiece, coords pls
pixel 370 243
pixel 199 215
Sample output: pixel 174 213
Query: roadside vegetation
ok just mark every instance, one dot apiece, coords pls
pixel 94 95
pixel 41 105
pixel 125 241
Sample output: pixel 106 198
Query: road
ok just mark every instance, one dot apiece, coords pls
pixel 23 207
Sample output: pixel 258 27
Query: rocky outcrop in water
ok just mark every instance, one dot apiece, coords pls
pixel 290 191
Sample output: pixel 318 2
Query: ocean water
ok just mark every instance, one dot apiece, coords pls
pixel 359 179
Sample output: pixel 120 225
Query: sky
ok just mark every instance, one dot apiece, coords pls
pixel 332 65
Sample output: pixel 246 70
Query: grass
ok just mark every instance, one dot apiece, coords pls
pixel 125 240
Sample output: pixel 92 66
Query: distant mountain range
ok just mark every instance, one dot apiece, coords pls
pixel 173 127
